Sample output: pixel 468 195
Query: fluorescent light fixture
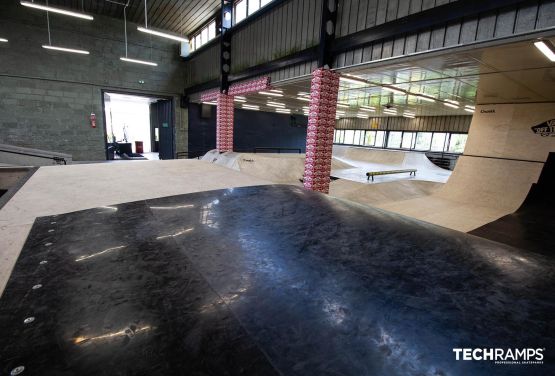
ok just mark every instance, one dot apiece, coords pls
pixel 409 115
pixel 162 34
pixel 469 110
pixel 279 91
pixel 342 105
pixel 283 110
pixel 279 104
pixel 239 100
pixel 63 49
pixel 240 97
pixel 271 93
pixel 451 101
pixel 3 40
pixel 470 107
pixel 425 98
pixel 210 103
pixel 56 10
pixel 275 105
pixel 138 61
pixel 362 116
pixel 393 89
pixel 301 93
pixel 364 108
pixel 352 79
pixel 250 107
pixel 450 105
pixel 546 47
pixel 340 112
pixel 390 111
pixel 303 99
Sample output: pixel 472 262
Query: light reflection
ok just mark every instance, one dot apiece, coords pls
pixel 107 209
pixel 207 214
pixel 172 207
pixel 124 332
pixel 176 234
pixel 99 253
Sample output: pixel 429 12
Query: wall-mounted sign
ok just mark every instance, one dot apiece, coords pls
pixel 545 129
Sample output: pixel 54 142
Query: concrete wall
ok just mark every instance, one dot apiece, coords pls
pixel 46 97
pixel 252 129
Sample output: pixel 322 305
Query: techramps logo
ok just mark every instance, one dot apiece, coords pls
pixel 545 129
pixel 521 356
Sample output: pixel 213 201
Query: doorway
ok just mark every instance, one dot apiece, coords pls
pixel 138 127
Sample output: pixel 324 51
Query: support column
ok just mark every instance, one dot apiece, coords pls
pixel 324 87
pixel 224 123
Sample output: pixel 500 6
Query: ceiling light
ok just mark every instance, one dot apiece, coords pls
pixel 240 97
pixel 352 79
pixel 276 104
pixel 362 116
pixel 391 111
pixel 303 99
pixel 451 101
pixel 409 115
pixel 470 107
pixel 250 107
pixel 63 49
pixel 279 91
pixel 138 61
pixel 425 98
pixel 393 89
pixel 162 34
pixel 469 110
pixel 342 105
pixel 239 100
pixel 3 40
pixel 546 47
pixel 270 93
pixel 364 108
pixel 210 103
pixel 450 105
pixel 301 93
pixel 56 10
pixel 283 110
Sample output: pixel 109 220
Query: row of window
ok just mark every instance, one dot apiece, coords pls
pixel 420 141
pixel 241 10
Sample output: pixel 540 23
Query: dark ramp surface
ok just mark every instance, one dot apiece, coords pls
pixel 268 280
pixel 532 226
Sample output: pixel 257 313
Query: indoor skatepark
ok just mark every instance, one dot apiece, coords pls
pixel 372 198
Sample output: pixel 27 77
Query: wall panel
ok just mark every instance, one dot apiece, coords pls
pixel 421 123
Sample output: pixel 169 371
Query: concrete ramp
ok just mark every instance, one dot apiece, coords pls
pixel 364 160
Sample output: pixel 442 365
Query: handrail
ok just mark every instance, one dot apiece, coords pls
pixel 278 149
pixel 58 160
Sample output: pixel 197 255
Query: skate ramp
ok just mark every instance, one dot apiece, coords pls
pixel 489 182
pixel 383 193
pixel 274 167
pixel 365 159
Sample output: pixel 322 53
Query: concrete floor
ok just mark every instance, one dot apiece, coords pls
pixel 61 189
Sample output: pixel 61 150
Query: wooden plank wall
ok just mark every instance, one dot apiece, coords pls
pixel 421 123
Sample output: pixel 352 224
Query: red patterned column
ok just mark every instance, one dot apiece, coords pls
pixel 319 134
pixel 224 123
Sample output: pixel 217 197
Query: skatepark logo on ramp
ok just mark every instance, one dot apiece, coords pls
pixel 545 129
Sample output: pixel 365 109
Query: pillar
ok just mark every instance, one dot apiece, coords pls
pixel 224 123
pixel 324 87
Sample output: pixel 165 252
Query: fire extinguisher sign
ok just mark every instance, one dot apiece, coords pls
pixel 93 120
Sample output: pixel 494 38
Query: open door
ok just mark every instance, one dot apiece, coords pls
pixel 161 119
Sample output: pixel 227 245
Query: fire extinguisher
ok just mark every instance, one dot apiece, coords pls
pixel 93 120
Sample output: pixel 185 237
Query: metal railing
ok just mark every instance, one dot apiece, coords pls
pixel 57 160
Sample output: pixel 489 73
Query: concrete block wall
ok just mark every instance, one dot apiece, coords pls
pixel 46 97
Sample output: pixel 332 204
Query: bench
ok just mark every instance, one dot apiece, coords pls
pixel 411 171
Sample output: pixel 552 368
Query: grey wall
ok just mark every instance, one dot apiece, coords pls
pixel 46 97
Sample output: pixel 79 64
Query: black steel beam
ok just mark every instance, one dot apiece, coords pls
pixel 418 21
pixel 213 84
pixel 225 44
pixel 328 25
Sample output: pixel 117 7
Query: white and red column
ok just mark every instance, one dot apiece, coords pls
pixel 224 123
pixel 324 87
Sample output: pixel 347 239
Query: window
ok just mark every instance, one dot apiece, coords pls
pixel 240 11
pixel 349 137
pixel 457 143
pixel 203 36
pixel 380 139
pixel 359 137
pixel 423 141
pixel 370 138
pixel 394 140
pixel 408 138
pixel 438 142
pixel 244 8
